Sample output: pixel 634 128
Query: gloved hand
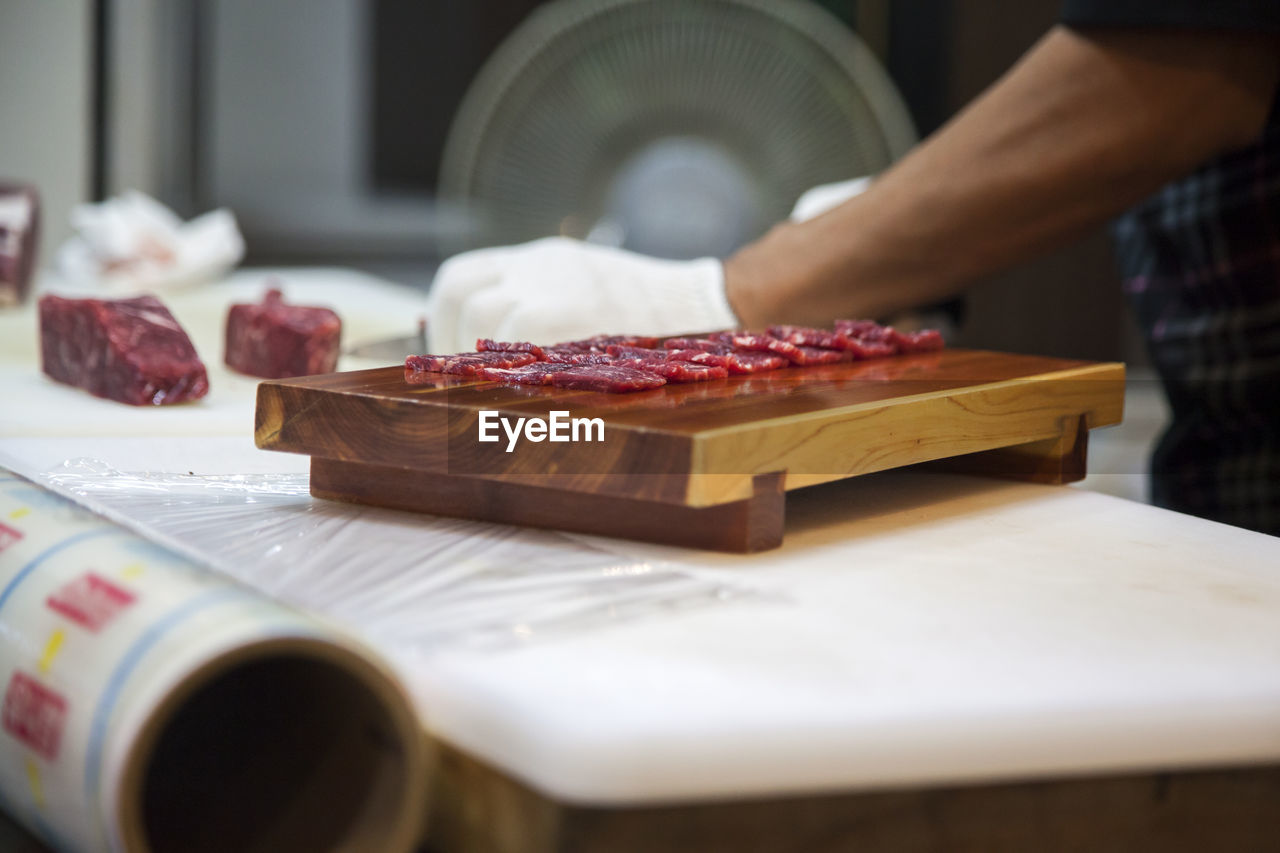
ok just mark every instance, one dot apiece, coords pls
pixel 557 289
pixel 820 199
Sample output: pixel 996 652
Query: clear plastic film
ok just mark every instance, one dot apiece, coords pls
pixel 411 584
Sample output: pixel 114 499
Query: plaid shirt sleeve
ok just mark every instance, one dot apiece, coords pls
pixel 1200 262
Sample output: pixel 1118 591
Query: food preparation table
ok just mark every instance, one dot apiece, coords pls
pixel 929 661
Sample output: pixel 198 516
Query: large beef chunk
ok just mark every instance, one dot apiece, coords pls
pixel 130 350
pixel 19 239
pixel 276 341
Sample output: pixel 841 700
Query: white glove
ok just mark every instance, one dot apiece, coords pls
pixel 557 289
pixel 820 199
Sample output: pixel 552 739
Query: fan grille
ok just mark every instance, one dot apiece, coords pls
pixel 782 92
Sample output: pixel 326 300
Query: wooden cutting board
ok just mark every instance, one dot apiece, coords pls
pixel 704 464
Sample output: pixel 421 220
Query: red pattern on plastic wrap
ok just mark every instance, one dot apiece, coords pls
pixel 9 537
pixel 90 601
pixel 34 714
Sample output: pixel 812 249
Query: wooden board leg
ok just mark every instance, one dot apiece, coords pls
pixel 1054 460
pixel 755 524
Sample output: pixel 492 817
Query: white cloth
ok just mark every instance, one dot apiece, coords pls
pixel 133 242
pixel 558 289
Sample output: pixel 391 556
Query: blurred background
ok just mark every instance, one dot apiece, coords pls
pixel 386 134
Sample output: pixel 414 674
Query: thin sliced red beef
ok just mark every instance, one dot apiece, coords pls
pixel 768 343
pixel 275 341
pixel 538 373
pixel 606 377
pixel 487 345
pixel 467 363
pixel 129 350
pixel 676 371
pixel 705 344
pixel 646 353
pixel 599 343
pixel 810 356
pixel 805 336
pixel 925 340
pixel 734 362
pixel 564 355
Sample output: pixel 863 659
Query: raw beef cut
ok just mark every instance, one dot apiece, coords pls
pixel 809 356
pixel 806 337
pixel 925 340
pixel 277 341
pixel 130 350
pixel 697 343
pixel 768 343
pixel 606 377
pixel 467 363
pixel 19 239
pixel 563 355
pixel 600 343
pixel 538 373
pixel 676 371
pixel 645 353
pixel 734 362
pixel 486 345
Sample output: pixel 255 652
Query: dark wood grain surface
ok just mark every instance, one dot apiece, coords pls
pixel 698 444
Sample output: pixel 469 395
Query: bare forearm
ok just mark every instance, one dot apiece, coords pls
pixel 1080 129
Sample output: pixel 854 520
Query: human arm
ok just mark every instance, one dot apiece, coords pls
pixel 1084 126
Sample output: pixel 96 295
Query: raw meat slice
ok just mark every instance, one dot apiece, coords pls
pixel 768 343
pixel 925 340
pixel 467 363
pixel 859 328
pixel 867 338
pixel 866 348
pixel 486 345
pixel 734 362
pixel 599 343
pixel 606 377
pixel 808 337
pixel 275 340
pixel 705 344
pixel 809 356
pixel 538 373
pixel 622 351
pixel 563 355
pixel 19 240
pixel 676 371
pixel 130 350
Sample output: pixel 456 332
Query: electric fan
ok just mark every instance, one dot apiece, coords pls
pixel 675 128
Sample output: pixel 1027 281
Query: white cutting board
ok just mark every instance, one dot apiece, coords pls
pixel 926 629
pixel 370 308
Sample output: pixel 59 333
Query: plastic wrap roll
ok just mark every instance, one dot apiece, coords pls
pixel 149 704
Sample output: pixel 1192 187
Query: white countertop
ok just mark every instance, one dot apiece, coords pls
pixel 914 629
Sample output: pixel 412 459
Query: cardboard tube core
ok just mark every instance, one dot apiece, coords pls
pixel 292 745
